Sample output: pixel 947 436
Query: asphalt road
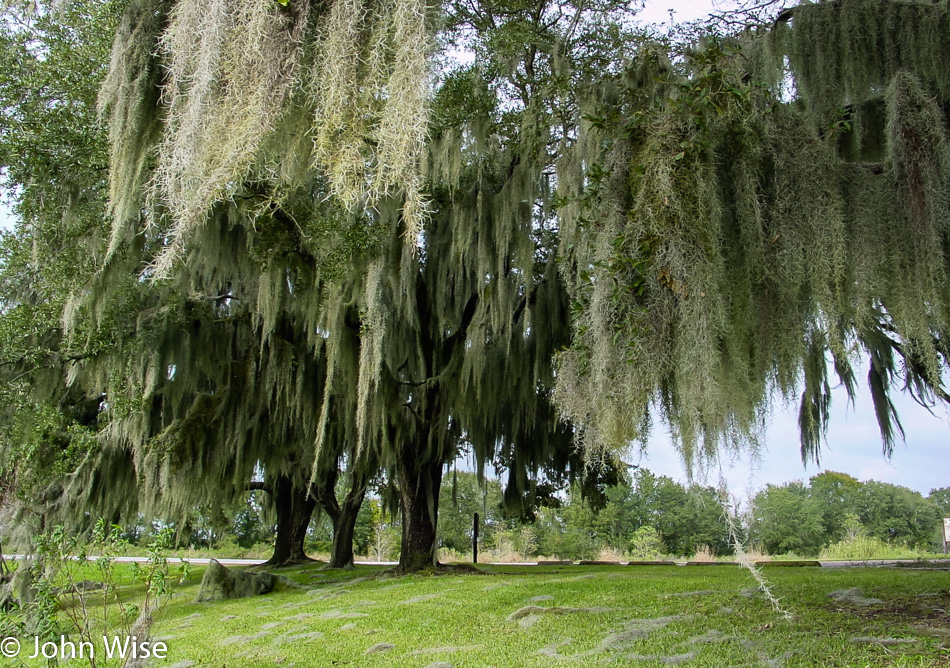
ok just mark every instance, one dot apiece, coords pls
pixel 255 562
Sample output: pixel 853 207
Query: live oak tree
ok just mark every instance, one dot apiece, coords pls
pixel 81 434
pixel 459 310
pixel 701 226
pixel 54 166
pixel 753 210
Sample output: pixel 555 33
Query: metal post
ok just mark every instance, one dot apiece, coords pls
pixel 475 540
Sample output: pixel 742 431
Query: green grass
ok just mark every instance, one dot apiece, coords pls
pixel 463 619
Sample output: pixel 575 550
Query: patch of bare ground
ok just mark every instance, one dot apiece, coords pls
pixel 854 596
pixel 930 609
pixel 923 614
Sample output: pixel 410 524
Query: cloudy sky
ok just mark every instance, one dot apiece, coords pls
pixel 853 445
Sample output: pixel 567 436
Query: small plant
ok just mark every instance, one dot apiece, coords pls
pixel 646 543
pixel 74 591
pixel 705 553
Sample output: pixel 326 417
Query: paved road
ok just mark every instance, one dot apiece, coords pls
pixel 203 560
pixel 255 562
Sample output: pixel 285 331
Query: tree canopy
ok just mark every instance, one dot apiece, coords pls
pixel 332 239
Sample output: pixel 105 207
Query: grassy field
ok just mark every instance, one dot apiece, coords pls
pixel 587 616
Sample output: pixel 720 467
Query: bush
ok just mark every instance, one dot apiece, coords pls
pixel 646 543
pixel 856 544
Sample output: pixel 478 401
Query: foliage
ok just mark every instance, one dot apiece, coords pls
pixel 260 90
pixel 68 592
pixel 646 543
pixel 941 497
pixel 897 515
pixel 838 495
pixel 329 249
pixel 787 519
pixel 459 499
pixel 855 544
pixel 53 157
pixel 837 513
pixel 725 247
pixel 247 526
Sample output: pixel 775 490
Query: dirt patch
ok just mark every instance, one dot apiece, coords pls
pixel 869 640
pixel 540 599
pixel 929 610
pixel 686 594
pixel 854 596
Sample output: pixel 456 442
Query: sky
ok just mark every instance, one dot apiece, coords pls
pixel 853 440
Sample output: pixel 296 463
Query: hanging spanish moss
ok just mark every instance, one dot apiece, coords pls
pixel 728 243
pixel 128 99
pixel 236 79
pixel 847 51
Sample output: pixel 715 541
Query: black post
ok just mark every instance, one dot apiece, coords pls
pixel 475 540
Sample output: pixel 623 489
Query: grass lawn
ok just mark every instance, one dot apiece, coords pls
pixel 586 616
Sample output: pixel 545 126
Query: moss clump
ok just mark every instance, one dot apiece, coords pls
pixel 221 583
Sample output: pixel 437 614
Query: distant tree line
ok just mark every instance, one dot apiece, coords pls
pixel 642 516
pixel 804 518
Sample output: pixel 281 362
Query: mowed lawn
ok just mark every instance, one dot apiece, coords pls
pixel 571 615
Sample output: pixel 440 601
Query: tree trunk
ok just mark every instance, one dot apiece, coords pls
pixel 343 517
pixel 343 529
pixel 419 492
pixel 295 507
